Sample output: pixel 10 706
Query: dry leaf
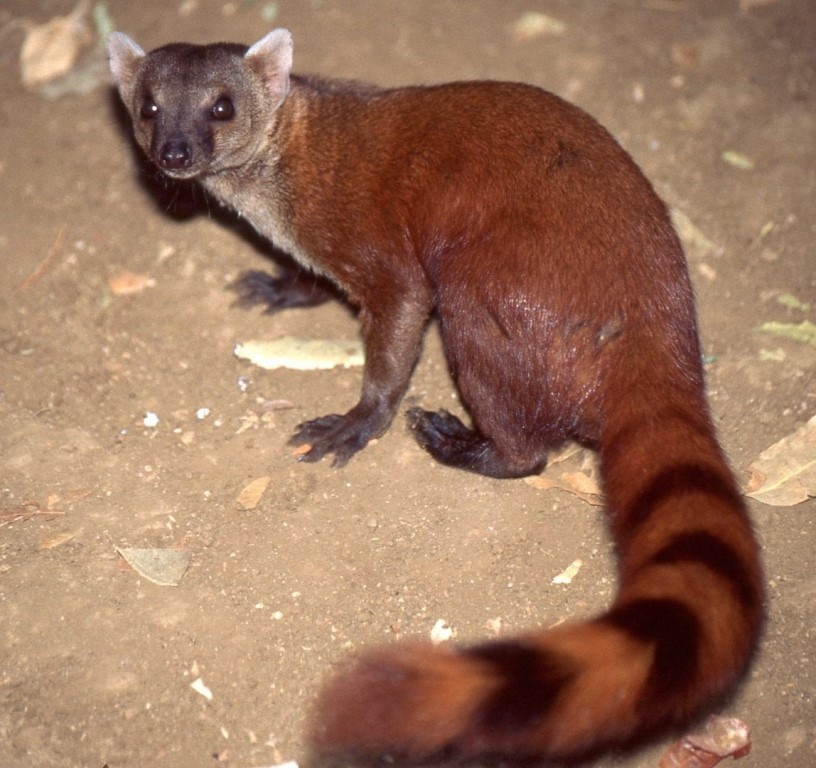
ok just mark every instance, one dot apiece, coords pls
pixel 66 497
pixel 301 354
pixel 250 497
pixel 52 49
pixel 126 283
pixel 164 567
pixel 718 738
pixel 52 542
pixel 533 24
pixel 569 482
pixel 567 452
pixel 569 573
pixel 541 482
pixel 785 473
pixel 582 483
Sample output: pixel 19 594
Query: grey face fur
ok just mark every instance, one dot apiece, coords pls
pixel 201 110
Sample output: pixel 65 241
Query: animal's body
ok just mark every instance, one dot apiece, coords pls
pixel 566 311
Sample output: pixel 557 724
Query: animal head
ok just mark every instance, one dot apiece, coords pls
pixel 198 110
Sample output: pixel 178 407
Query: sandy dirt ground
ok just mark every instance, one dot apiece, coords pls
pixel 715 100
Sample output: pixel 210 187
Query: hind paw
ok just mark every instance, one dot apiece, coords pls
pixel 290 289
pixel 450 442
pixel 445 437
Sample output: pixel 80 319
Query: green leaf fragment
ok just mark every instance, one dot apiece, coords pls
pixel 737 160
pixel 790 301
pixel 804 332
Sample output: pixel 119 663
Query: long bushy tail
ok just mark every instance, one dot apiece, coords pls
pixel 678 636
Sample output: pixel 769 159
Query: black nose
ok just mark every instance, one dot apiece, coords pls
pixel 176 154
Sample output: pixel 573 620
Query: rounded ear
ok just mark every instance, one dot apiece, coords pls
pixel 271 58
pixel 124 56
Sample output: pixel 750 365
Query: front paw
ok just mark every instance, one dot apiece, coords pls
pixel 341 435
pixel 290 289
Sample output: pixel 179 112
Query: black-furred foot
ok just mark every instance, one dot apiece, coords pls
pixel 446 438
pixel 450 442
pixel 341 435
pixel 291 288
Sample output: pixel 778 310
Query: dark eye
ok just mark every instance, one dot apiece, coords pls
pixel 223 109
pixel 150 109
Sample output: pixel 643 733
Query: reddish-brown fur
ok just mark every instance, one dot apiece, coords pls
pixel 567 313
